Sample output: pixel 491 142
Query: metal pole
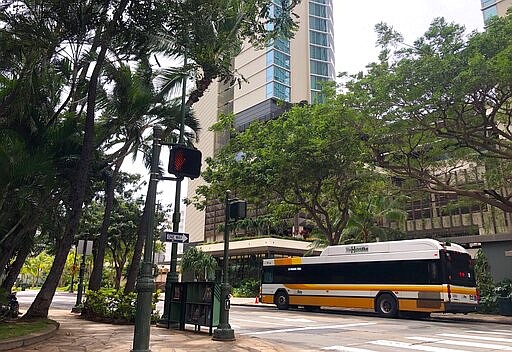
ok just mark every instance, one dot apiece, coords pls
pixel 78 304
pixel 172 275
pixel 145 281
pixel 224 331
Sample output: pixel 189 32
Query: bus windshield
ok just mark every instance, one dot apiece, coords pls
pixel 460 269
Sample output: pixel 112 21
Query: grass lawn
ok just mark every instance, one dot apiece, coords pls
pixel 19 328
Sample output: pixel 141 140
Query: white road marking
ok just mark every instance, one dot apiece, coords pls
pixel 309 328
pixel 346 349
pixel 462 343
pixel 410 346
pixel 259 322
pixel 495 332
pixel 301 320
pixel 472 337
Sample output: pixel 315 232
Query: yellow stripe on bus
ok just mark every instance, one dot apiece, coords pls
pixel 288 261
pixel 349 302
pixel 366 287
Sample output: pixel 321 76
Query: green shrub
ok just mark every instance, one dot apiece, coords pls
pixel 247 288
pixel 114 306
pixel 485 285
pixel 504 289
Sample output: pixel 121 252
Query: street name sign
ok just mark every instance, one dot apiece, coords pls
pixel 176 237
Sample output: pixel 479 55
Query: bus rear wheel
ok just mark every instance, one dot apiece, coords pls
pixel 281 300
pixel 386 305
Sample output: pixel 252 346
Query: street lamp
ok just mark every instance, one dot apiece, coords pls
pixel 78 304
pixel 224 332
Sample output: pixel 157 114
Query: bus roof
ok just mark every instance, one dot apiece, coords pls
pixel 391 246
pixel 376 251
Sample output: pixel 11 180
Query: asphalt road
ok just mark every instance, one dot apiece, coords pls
pixel 346 331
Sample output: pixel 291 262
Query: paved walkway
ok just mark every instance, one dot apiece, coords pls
pixel 76 334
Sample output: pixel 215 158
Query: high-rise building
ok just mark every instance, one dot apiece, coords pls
pixel 492 8
pixel 286 70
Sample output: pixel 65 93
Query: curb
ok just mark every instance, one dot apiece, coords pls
pixel 30 339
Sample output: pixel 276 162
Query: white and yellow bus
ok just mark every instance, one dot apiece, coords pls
pixel 421 276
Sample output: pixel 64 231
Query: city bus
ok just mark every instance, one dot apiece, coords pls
pixel 415 277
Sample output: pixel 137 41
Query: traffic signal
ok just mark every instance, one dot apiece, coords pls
pixel 185 161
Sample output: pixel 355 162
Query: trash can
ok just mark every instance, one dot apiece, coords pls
pixel 504 305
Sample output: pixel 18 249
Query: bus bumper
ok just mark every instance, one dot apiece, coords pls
pixel 451 307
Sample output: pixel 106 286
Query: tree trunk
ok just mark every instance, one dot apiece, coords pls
pixel 22 255
pixel 133 270
pixel 101 242
pixel 41 304
pixel 97 270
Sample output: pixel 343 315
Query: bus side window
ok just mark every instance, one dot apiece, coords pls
pixel 268 276
pixel 433 272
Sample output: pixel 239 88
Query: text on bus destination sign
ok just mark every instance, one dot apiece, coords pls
pixel 357 249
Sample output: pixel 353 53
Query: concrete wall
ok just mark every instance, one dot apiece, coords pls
pixel 501 265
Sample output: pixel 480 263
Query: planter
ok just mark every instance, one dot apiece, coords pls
pixel 504 305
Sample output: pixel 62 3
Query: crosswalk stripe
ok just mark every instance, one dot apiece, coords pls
pixel 259 322
pixel 495 332
pixel 411 346
pixel 462 343
pixel 319 327
pixel 346 349
pixel 472 337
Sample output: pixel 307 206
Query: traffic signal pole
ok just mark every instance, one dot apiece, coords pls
pixel 145 282
pixel 172 275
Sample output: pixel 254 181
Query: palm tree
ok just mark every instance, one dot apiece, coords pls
pixel 202 264
pixel 131 108
pixel 367 219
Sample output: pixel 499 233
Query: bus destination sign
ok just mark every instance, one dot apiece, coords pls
pixel 357 249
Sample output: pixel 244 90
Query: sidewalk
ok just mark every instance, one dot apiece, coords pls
pixel 77 335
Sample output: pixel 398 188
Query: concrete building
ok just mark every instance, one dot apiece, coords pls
pixel 287 71
pixel 492 8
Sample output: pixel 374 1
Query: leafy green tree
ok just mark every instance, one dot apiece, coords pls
pixel 37 267
pixel 442 105
pixel 310 159
pixel 202 264
pixel 485 284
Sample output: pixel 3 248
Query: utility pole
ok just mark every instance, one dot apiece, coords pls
pixel 145 282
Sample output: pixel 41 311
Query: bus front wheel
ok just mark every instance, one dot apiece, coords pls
pixel 281 300
pixel 387 306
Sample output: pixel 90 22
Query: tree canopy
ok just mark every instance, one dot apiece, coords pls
pixel 439 110
pixel 310 159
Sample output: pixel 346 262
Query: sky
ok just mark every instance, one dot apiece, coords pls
pixel 354 22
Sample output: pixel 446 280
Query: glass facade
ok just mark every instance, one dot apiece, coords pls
pixel 321 47
pixel 321 54
pixel 278 65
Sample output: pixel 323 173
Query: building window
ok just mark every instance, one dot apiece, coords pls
pixel 318 38
pixel 319 68
pixel 318 53
pixel 317 10
pixel 281 59
pixel 490 12
pixel 318 24
pixel 282 45
pixel 281 91
pixel 316 82
pixel 282 76
pixel 486 3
